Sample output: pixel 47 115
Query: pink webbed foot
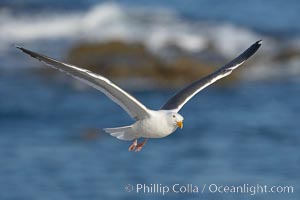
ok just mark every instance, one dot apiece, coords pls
pixel 133 145
pixel 140 145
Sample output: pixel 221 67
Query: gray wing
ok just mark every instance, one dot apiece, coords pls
pixel 183 96
pixel 131 105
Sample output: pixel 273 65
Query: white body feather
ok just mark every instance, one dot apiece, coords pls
pixel 155 126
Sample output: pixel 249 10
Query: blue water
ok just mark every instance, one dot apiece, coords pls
pixel 51 146
pixel 51 143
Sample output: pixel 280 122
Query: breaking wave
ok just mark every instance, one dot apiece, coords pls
pixel 157 29
pixel 109 21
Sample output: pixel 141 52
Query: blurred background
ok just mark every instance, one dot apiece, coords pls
pixel 242 130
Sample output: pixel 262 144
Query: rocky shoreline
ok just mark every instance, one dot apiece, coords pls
pixel 136 67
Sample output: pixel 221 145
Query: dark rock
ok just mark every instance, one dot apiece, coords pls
pixel 120 61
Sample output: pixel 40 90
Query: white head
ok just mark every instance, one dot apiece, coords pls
pixel 175 119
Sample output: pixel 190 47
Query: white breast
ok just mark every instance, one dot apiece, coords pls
pixel 155 126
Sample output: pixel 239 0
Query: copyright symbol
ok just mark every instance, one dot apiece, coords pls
pixel 128 188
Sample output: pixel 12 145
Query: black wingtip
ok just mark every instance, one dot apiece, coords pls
pixel 259 42
pixel 31 53
pixel 251 50
pixel 19 47
pixel 16 46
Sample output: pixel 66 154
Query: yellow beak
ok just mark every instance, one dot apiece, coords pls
pixel 180 124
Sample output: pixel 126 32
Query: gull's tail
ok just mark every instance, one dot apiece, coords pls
pixel 122 133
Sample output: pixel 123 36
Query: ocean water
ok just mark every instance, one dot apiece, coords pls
pixel 52 147
pixel 51 143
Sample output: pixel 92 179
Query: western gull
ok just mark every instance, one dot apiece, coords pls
pixel 148 123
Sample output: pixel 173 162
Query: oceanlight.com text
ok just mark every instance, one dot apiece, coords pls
pixel 250 189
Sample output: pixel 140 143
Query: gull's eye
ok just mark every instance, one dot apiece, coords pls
pixel 173 116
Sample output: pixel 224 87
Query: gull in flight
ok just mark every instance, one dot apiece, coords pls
pixel 148 123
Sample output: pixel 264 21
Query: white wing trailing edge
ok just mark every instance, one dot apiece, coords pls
pixel 183 96
pixel 130 104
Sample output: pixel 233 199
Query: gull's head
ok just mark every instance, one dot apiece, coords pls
pixel 175 119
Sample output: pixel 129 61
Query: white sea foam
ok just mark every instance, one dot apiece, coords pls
pixel 157 29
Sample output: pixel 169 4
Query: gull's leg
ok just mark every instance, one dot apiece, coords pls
pixel 133 145
pixel 140 145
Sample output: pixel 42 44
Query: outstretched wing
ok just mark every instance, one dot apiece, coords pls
pixel 183 96
pixel 131 105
